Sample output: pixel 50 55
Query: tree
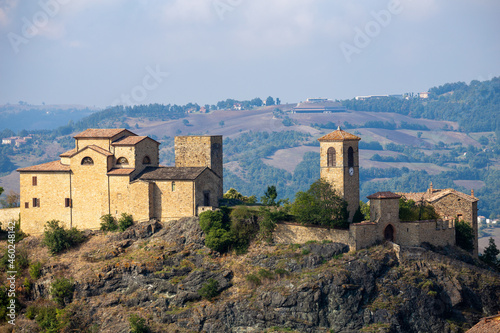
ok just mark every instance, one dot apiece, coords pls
pixel 321 205
pixel 1 190
pixel 490 254
pixel 12 199
pixel 278 101
pixel 185 122
pixel 221 123
pixel 464 235
pixel 269 198
pixel 270 101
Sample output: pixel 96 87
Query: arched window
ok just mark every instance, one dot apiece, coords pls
pixel 146 160
pixel 331 157
pixel 122 161
pixel 350 157
pixel 87 161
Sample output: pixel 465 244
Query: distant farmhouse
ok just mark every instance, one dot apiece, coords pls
pixel 339 163
pixel 318 105
pixel 114 171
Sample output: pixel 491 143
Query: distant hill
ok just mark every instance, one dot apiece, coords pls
pixel 17 117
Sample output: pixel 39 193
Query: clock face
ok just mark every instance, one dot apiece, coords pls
pixel 351 171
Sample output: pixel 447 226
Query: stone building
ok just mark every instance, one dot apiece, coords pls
pixel 339 163
pixel 114 171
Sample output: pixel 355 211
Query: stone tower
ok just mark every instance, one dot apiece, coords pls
pixel 339 163
pixel 199 151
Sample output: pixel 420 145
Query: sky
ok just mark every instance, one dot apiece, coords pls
pixel 107 52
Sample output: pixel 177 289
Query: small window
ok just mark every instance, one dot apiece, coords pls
pixel 87 161
pixel 34 181
pixel 68 202
pixel 350 157
pixel 331 157
pixel 36 202
pixel 173 186
pixel 122 161
pixel 26 205
pixel 206 198
pixel 146 160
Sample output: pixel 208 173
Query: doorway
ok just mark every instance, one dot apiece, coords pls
pixel 389 233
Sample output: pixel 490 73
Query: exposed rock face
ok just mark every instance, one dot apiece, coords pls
pixel 158 270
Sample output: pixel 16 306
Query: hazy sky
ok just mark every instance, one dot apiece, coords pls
pixel 103 52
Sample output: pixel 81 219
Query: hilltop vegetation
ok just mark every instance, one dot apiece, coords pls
pixel 162 278
pixel 474 106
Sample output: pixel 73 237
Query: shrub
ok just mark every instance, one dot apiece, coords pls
pixel 244 227
pixel 62 291
pixel 265 274
pixel 464 235
pixel 281 272
pixel 218 240
pixel 138 324
pixel 253 279
pixel 125 221
pixel 35 270
pixel 210 289
pixel 58 239
pixel 48 318
pixel 108 223
pixel 321 205
pixel 490 254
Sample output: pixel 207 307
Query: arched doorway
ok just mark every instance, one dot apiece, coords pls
pixel 389 233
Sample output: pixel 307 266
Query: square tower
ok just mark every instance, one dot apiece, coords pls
pixel 339 164
pixel 199 151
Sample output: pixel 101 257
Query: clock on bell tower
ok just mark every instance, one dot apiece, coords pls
pixel 339 163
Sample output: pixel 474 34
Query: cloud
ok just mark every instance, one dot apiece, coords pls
pixel 6 7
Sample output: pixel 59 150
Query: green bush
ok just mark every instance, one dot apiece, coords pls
pixel 48 318
pixel 490 254
pixel 108 223
pixel 321 205
pixel 58 239
pixel 62 290
pixel 138 324
pixel 253 279
pixel 265 274
pixel 210 289
pixel 464 235
pixel 35 270
pixel 218 240
pixel 411 211
pixel 281 272
pixel 125 221
pixel 212 219
pixel 244 227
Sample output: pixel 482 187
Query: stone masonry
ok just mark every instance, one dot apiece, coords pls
pixel 114 171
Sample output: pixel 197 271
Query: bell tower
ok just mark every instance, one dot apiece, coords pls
pixel 339 163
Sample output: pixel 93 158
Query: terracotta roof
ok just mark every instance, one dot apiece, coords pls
pixel 384 195
pixel 487 325
pixel 130 140
pixel 103 133
pixel 171 173
pixel 97 149
pixel 50 166
pixel 68 153
pixel 339 135
pixel 436 195
pixel 120 172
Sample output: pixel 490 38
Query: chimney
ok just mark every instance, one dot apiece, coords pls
pixel 431 189
pixel 472 193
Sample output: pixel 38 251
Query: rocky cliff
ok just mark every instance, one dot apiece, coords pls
pixel 156 271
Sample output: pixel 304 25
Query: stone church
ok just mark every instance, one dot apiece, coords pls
pixel 340 167
pixel 114 171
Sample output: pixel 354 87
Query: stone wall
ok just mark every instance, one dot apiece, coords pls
pixel 199 151
pixel 452 206
pixel 9 214
pixel 90 189
pixel 211 183
pixel 172 202
pixel 292 233
pixel 52 189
